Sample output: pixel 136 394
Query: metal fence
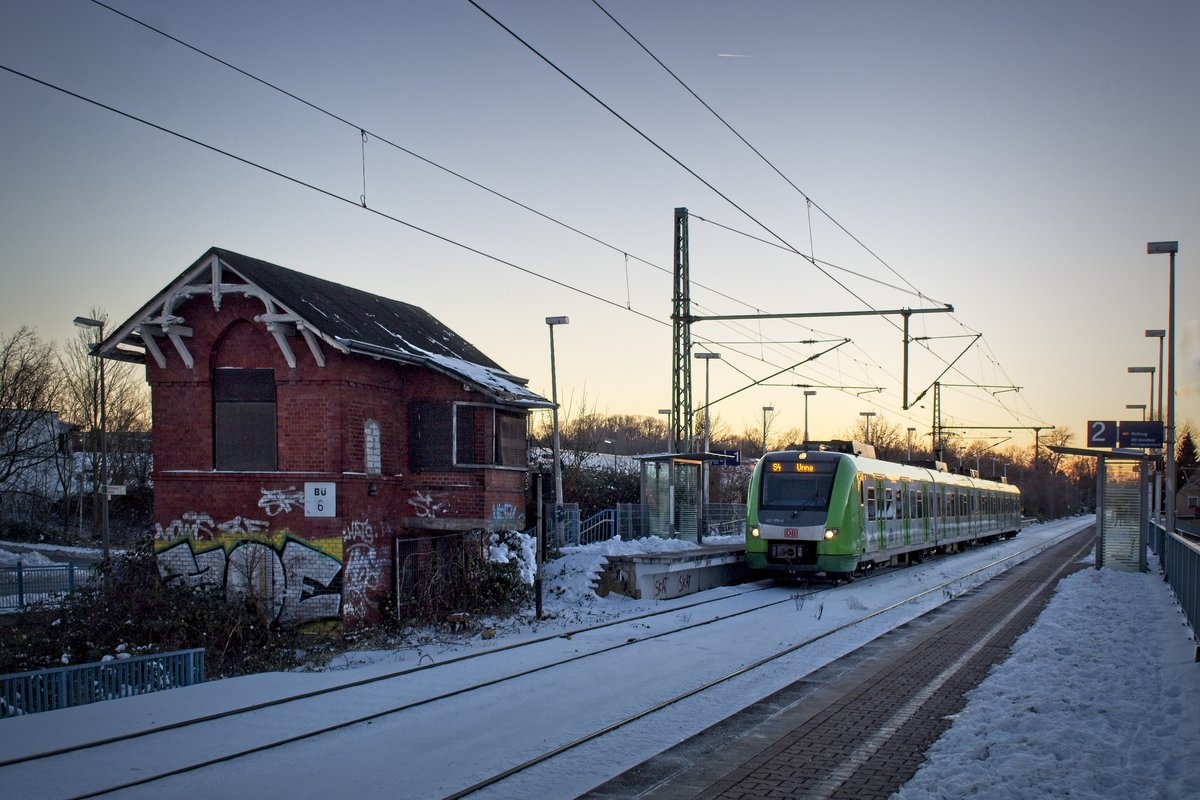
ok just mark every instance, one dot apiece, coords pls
pixel 628 522
pixel 62 687
pixel 1180 561
pixel 724 519
pixel 21 586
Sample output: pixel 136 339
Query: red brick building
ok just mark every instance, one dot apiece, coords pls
pixel 311 441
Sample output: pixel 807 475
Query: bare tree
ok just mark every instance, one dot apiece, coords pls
pixel 126 411
pixel 28 389
pixel 887 438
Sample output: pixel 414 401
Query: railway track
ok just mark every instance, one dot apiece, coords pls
pixel 173 747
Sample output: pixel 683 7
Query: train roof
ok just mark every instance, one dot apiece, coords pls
pixel 924 471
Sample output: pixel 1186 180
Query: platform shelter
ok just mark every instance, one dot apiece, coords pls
pixel 674 494
pixel 1122 506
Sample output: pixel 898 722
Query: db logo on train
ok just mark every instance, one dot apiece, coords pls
pixel 791 533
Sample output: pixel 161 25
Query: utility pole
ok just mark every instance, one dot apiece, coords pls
pixel 682 319
pixel 681 357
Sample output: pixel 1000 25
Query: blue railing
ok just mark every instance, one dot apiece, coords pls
pixel 599 527
pixel 21 586
pixel 629 521
pixel 1180 561
pixel 62 687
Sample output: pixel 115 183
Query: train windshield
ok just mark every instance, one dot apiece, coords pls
pixel 798 485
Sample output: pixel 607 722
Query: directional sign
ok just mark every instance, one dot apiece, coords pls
pixel 732 457
pixel 1102 433
pixel 1141 435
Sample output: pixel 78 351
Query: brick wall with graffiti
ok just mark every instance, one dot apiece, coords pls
pixel 300 569
pixel 343 424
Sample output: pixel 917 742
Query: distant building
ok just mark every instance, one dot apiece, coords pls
pixel 34 455
pixel 1187 499
pixel 315 444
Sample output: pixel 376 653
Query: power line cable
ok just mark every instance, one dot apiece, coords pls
pixel 668 153
pixel 330 194
pixel 365 132
pixel 753 149
pixel 808 199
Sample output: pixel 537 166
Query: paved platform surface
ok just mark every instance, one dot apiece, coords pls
pixel 859 727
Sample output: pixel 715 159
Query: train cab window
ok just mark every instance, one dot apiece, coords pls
pixel 798 485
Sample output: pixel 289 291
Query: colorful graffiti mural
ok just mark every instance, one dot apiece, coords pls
pixel 298 580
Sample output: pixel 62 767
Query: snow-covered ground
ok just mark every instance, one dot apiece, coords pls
pixel 1098 700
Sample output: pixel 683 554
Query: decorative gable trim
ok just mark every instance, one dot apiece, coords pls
pixel 345 319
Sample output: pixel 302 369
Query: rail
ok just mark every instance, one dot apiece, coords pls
pixel 308 733
pixel 21 586
pixel 1180 561
pixel 62 687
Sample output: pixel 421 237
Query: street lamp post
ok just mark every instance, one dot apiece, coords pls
pixel 868 415
pixel 1145 371
pixel 766 410
pixel 1172 248
pixel 807 394
pixel 708 359
pixel 1160 335
pixel 612 444
pixel 87 322
pixel 551 322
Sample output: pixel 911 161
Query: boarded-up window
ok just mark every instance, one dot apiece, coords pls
pixel 430 436
pixel 512 442
pixel 244 427
pixel 447 435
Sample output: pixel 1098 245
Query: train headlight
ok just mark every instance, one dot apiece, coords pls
pixel 831 532
pixel 754 532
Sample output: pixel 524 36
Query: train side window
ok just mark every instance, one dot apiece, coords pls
pixel 889 504
pixel 920 504
pixel 870 502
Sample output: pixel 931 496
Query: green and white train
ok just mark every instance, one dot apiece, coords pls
pixel 834 508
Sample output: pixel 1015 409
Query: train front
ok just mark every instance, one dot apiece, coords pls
pixel 796 514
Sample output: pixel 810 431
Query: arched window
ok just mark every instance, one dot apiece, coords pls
pixel 372 448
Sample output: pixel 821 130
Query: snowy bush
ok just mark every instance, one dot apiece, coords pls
pixel 509 547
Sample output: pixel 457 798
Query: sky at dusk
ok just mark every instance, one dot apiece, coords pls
pixel 1011 159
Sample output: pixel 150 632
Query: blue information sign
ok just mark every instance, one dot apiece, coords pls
pixel 1141 435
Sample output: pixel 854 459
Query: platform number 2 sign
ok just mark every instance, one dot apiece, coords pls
pixel 1102 433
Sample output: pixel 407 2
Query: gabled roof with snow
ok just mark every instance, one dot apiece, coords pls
pixel 323 312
